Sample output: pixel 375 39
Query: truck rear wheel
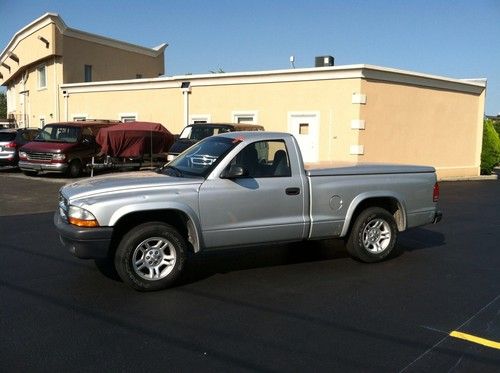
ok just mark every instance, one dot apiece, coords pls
pixel 151 256
pixel 373 236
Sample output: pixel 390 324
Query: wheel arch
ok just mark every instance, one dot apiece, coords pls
pixel 391 202
pixel 184 221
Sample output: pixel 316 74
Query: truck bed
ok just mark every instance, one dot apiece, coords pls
pixel 346 168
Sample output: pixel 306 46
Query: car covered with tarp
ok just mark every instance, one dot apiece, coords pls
pixel 132 144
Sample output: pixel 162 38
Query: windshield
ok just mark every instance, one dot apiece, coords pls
pixel 199 132
pixel 201 158
pixel 59 133
pixel 7 136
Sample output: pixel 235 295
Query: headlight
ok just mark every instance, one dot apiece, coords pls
pixel 23 155
pixel 58 157
pixel 81 217
pixel 171 157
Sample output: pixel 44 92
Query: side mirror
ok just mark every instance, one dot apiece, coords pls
pixel 234 172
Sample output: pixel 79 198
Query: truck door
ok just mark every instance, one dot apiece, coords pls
pixel 265 203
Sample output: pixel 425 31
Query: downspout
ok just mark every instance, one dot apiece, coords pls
pixel 24 79
pixel 65 95
pixel 186 90
pixel 56 92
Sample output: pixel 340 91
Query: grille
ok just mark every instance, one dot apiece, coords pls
pixel 32 156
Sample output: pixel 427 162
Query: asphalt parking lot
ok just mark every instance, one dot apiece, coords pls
pixel 301 307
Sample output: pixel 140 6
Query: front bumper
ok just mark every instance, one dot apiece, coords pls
pixel 84 243
pixel 52 167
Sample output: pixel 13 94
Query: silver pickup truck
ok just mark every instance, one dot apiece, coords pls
pixel 239 188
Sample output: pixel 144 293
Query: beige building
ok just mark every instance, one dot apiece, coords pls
pixel 347 113
pixel 46 53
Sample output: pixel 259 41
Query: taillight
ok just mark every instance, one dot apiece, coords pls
pixel 10 145
pixel 435 193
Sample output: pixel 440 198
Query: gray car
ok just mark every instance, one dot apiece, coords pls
pixel 11 140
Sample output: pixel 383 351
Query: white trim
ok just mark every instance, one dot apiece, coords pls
pixel 84 116
pixel 40 118
pixel 357 124
pixel 356 150
pixel 49 18
pixel 235 115
pixel 200 117
pixel 358 98
pixel 128 115
pixel 281 76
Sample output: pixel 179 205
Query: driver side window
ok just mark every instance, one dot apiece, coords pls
pixel 264 159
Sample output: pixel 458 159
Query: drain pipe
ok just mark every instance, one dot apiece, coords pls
pixel 186 90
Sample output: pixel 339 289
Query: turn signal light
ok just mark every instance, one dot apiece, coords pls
pixel 83 223
pixel 435 193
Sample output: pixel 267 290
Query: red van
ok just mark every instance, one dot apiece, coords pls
pixel 62 147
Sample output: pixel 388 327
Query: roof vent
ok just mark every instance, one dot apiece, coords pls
pixel 323 61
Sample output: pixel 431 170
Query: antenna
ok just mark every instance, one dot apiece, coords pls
pixel 292 62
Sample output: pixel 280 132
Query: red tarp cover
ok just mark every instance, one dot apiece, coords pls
pixel 134 139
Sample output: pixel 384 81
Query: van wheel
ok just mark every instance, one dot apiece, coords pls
pixel 373 236
pixel 151 256
pixel 74 168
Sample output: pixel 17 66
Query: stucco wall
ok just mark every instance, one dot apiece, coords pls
pixel 411 124
pixel 107 63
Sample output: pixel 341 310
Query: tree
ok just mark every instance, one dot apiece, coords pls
pixel 3 105
pixel 490 155
pixel 220 70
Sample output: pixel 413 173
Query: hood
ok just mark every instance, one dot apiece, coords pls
pixel 181 144
pixel 48 147
pixel 121 182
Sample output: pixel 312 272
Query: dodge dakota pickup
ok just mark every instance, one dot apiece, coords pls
pixel 234 189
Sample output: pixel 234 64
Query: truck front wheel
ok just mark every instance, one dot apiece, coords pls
pixel 151 256
pixel 373 236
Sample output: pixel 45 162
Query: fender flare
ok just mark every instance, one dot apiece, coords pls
pixel 193 224
pixel 356 202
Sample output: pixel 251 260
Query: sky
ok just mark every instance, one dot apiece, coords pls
pixel 456 39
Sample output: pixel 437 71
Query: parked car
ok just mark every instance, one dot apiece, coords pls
pixel 239 189
pixel 193 133
pixel 62 147
pixel 11 140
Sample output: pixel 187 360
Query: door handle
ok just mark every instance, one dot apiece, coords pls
pixel 292 191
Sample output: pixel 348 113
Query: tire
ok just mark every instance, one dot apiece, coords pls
pixel 74 168
pixel 30 173
pixel 142 260
pixel 373 236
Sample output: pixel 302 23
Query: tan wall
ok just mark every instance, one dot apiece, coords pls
pixel 272 102
pixel 410 124
pixel 38 103
pixel 107 63
pixel 30 50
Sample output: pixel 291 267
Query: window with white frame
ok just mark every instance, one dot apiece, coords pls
pixel 249 117
pixel 128 117
pixel 79 117
pixel 199 118
pixel 42 76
